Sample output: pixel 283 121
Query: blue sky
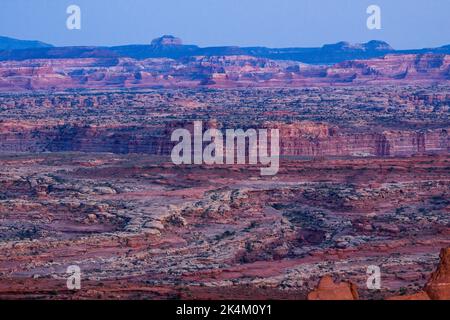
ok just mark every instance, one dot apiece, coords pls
pixel 273 23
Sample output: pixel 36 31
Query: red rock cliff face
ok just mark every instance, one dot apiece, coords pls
pixel 300 139
pixel 22 137
pixel 309 139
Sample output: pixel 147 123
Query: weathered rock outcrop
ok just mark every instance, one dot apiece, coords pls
pixel 327 289
pixel 438 287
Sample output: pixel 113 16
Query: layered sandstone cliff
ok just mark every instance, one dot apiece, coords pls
pixel 311 139
pixel 299 139
pixel 216 71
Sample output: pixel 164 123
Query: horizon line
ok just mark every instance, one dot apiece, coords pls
pixel 211 46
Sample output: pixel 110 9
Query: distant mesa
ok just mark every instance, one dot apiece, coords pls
pixel 378 45
pixel 7 43
pixel 167 40
pixel 171 47
pixel 373 45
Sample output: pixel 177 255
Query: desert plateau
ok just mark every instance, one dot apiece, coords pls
pixel 86 177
